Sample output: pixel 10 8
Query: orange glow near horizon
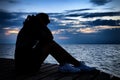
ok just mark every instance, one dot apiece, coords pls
pixel 86 30
pixel 12 32
pixel 9 31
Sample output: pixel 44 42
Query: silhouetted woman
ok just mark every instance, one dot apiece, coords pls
pixel 35 42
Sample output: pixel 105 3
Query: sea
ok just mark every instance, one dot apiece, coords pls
pixel 105 57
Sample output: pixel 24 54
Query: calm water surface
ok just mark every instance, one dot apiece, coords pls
pixel 105 57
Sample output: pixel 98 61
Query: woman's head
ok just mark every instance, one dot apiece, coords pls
pixel 43 17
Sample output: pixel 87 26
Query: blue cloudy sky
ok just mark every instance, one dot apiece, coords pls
pixel 72 21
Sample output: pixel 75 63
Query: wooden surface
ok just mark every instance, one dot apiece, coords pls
pixel 49 72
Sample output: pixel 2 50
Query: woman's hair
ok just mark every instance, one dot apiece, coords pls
pixel 40 18
pixel 44 17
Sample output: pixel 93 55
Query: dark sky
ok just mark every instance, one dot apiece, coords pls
pixel 86 21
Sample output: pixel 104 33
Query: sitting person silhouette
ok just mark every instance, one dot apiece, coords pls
pixel 35 42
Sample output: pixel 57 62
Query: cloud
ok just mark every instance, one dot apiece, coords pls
pixel 11 18
pixel 4 17
pixel 9 1
pixel 100 22
pixel 9 31
pixel 63 37
pixel 74 26
pixel 13 1
pixel 87 30
pixel 96 29
pixel 91 15
pixel 79 19
pixel 59 31
pixel 86 9
pixel 100 2
pixel 10 24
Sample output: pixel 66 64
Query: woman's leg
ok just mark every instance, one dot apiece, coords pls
pixel 43 52
pixel 61 55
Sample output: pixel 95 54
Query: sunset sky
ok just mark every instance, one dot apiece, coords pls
pixel 72 21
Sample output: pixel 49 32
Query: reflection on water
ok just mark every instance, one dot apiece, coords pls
pixel 104 57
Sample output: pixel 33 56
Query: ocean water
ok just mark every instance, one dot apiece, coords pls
pixel 105 57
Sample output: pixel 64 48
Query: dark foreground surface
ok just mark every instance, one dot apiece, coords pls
pixel 49 72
